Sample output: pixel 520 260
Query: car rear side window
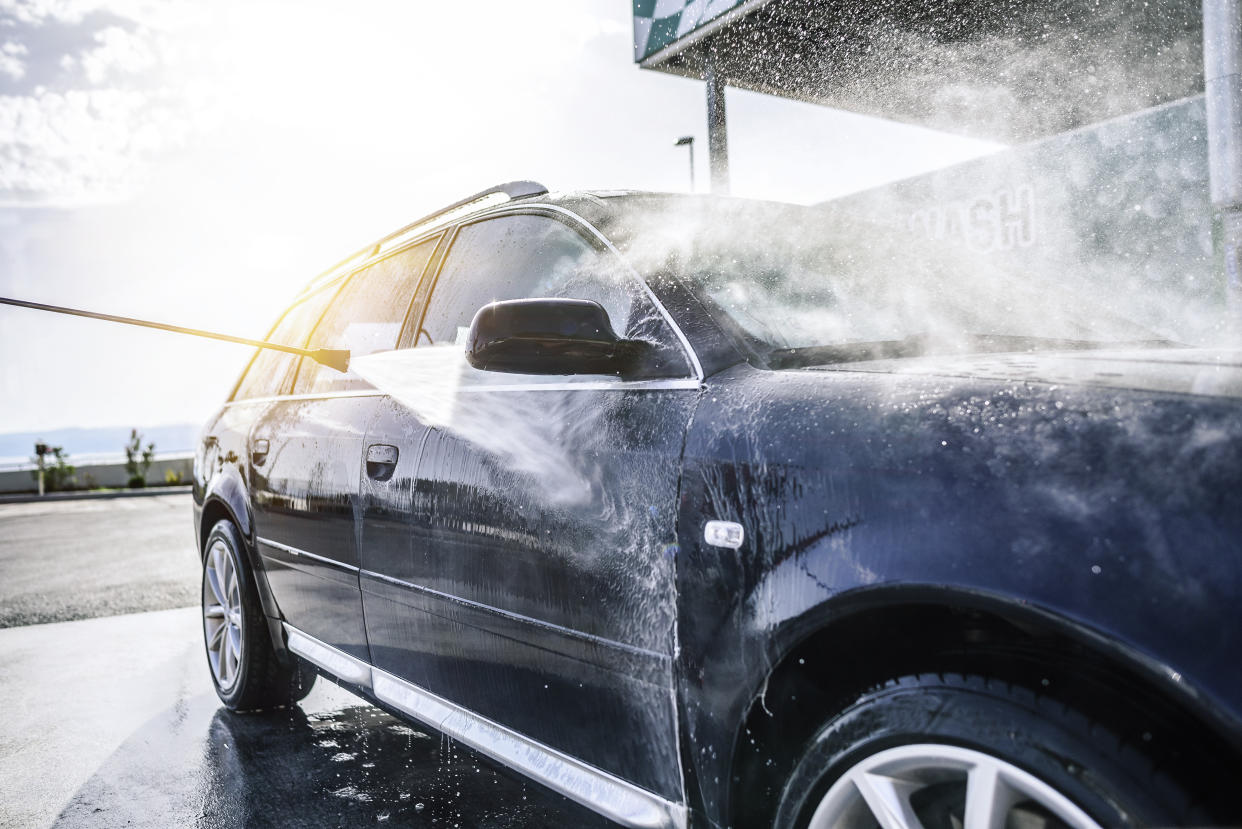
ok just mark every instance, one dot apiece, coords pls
pixel 269 371
pixel 365 318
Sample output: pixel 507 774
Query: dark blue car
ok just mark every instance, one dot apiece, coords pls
pixel 702 513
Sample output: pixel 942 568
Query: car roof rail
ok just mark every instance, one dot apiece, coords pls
pixel 508 191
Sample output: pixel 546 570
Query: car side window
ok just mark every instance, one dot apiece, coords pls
pixel 269 371
pixel 527 256
pixel 365 318
pixel 514 257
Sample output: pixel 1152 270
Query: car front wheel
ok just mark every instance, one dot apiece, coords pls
pixel 965 752
pixel 245 669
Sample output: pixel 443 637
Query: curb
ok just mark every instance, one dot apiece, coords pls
pixel 29 498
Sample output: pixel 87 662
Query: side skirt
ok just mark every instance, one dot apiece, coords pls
pixel 612 797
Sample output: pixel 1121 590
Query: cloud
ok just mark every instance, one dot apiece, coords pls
pixel 11 62
pixel 81 146
pixel 43 12
pixel 120 52
pixel 38 12
pixel 96 102
pixel 111 86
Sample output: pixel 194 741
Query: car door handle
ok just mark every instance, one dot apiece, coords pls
pixel 381 461
pixel 258 452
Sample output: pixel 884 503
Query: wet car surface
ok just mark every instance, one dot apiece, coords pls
pixel 695 530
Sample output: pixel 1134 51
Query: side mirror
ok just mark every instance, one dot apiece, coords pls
pixel 548 336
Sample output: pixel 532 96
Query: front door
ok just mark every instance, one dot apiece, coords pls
pixel 520 562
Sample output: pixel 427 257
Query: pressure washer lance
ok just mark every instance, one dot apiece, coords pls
pixel 332 357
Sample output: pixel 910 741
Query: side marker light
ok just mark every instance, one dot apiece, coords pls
pixel 724 534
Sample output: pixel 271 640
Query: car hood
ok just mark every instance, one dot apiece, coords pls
pixel 1196 371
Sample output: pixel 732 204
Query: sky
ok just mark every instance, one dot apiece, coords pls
pixel 196 163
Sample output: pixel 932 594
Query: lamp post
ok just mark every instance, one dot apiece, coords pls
pixel 688 141
pixel 41 450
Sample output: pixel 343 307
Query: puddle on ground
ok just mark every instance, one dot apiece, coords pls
pixel 333 760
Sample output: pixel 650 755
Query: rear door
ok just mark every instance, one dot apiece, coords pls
pixel 225 459
pixel 521 565
pixel 306 452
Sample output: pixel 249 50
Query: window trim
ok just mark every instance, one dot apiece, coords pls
pixel 418 303
pixel 660 384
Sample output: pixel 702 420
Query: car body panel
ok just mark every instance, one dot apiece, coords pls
pixel 305 493
pixel 1117 512
pixel 220 488
pixel 559 584
pixel 1192 371
pixel 524 567
pixel 220 470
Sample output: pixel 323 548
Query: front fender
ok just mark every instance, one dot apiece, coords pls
pixel 1109 518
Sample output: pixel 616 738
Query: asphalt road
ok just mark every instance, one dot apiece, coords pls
pixel 67 560
pixel 111 721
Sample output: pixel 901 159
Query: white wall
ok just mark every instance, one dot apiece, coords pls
pixel 103 474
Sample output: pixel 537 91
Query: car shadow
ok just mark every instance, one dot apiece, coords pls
pixel 334 760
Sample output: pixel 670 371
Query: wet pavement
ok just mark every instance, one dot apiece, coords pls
pixel 112 721
pixel 62 560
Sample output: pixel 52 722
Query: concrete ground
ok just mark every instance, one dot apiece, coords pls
pixel 111 721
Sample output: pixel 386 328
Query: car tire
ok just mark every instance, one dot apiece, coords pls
pixel 245 669
pixel 922 748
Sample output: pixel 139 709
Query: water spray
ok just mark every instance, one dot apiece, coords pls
pixel 331 357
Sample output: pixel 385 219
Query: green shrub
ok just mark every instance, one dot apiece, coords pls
pixel 137 459
pixel 54 461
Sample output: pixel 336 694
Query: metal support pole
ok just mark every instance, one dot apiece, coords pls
pixel 1222 76
pixel 717 129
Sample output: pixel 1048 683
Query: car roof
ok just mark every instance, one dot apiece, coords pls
pixel 614 212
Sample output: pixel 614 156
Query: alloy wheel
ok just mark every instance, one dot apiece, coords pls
pixel 222 615
pixel 932 786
